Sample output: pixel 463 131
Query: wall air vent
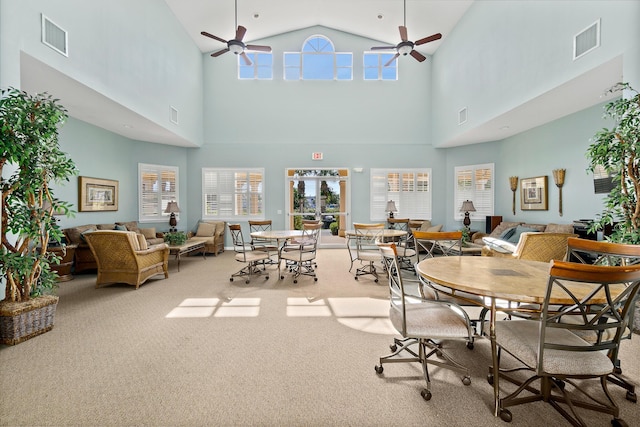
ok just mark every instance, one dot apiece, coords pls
pixel 174 115
pixel 54 36
pixel 462 116
pixel 586 40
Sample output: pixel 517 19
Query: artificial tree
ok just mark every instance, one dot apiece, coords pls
pixel 618 151
pixel 30 160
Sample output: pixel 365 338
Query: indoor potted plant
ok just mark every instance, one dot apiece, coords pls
pixel 30 160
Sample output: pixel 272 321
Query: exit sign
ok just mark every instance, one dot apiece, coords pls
pixel 316 156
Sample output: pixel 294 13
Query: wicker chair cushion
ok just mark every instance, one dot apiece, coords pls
pixel 520 337
pixel 430 321
pixel 205 229
pixel 425 225
pixel 142 242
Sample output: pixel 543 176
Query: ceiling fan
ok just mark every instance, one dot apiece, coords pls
pixel 406 47
pixel 236 45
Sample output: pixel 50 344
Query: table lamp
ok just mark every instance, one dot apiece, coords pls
pixel 172 208
pixel 391 208
pixel 467 206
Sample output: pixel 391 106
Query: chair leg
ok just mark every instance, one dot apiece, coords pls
pixel 248 271
pixel 367 269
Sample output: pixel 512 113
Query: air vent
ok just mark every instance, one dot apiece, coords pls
pixel 174 115
pixel 586 40
pixel 462 116
pixel 54 36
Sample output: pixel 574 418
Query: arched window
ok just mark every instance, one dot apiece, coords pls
pixel 318 60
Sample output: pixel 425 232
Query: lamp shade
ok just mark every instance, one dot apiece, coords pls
pixel 172 207
pixel 391 206
pixel 467 206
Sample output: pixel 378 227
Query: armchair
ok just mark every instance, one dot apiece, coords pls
pixel 123 257
pixel 532 246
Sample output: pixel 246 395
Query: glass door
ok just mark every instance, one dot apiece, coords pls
pixel 319 195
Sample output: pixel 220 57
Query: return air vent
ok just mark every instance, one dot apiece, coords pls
pixel 54 36
pixel 586 40
pixel 174 115
pixel 462 116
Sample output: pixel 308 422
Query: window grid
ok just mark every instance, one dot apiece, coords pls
pixel 232 194
pixel 374 66
pixel 261 67
pixel 475 183
pixel 408 188
pixel 158 185
pixel 318 61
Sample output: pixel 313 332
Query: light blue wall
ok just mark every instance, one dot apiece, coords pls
pixel 133 52
pixel 505 53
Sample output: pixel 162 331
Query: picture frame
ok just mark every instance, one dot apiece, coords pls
pixel 534 193
pixel 97 195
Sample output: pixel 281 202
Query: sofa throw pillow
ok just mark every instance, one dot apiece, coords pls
pixel 82 235
pixel 499 245
pixel 503 226
pixel 426 224
pixel 205 229
pixel 142 242
pixel 559 228
pixel 121 227
pixel 106 226
pixel 148 233
pixel 515 237
pixel 434 229
pixel 131 225
pixel 506 234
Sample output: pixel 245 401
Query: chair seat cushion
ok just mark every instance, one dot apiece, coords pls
pixel 520 338
pixel 298 256
pixel 369 255
pixel 430 320
pixel 251 256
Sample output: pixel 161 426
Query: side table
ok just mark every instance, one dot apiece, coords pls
pixel 66 254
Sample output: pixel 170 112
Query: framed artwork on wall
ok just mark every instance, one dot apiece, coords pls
pixel 533 194
pixel 95 194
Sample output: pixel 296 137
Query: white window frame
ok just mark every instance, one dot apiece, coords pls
pixel 289 66
pixel 467 186
pixel 381 70
pixel 220 183
pixel 163 197
pixel 412 197
pixel 260 61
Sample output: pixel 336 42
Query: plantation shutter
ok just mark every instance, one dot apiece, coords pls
pixel 158 185
pixel 475 183
pixel 410 189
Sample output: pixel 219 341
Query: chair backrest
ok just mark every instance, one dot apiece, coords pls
pixel 399 223
pixel 597 300
pixel 601 252
pixel 367 236
pixel 396 286
pixel 105 243
pixel 239 245
pixel 543 247
pixel 434 243
pixel 260 225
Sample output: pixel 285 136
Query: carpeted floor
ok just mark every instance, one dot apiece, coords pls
pixel 198 350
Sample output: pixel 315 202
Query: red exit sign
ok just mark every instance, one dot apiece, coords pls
pixel 316 156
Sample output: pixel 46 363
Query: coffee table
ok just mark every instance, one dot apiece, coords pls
pixel 188 247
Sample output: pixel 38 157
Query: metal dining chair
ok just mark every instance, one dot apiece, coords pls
pixel 247 255
pixel 363 248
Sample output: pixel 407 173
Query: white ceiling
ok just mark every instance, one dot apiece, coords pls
pixel 360 17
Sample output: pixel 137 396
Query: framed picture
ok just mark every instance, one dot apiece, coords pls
pixel 533 194
pixel 95 194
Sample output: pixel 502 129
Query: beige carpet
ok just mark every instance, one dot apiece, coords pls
pixel 197 350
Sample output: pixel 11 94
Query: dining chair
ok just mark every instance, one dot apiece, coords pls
pixel 261 244
pixel 423 322
pixel 247 255
pixel 363 247
pixel 405 245
pixel 607 253
pixel 299 254
pixel 439 243
pixel 551 348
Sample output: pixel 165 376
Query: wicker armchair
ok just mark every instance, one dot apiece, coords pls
pixel 534 246
pixel 121 259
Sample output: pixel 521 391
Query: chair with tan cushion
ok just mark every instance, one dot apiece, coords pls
pixel 123 257
pixel 212 234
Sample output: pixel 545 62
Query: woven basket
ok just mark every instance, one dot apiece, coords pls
pixel 20 321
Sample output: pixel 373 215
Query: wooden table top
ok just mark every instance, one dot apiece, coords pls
pixel 503 278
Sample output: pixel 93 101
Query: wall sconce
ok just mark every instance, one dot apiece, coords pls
pixel 513 183
pixel 172 208
pixel 558 178
pixel 467 206
pixel 391 208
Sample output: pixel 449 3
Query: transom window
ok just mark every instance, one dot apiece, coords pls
pixel 157 186
pixel 318 60
pixel 261 67
pixel 410 189
pixel 232 194
pixel 375 69
pixel 475 183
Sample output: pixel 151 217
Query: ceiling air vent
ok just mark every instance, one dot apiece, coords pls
pixel 586 40
pixel 54 36
pixel 462 116
pixel 174 115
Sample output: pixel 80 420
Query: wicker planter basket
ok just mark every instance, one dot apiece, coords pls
pixel 20 321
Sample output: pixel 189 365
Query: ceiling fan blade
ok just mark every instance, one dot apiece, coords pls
pixel 434 37
pixel 258 48
pixel 220 52
pixel 240 32
pixel 389 62
pixel 417 55
pixel 246 58
pixel 403 33
pixel 383 47
pixel 204 33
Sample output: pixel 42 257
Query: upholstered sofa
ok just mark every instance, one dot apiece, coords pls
pixel 84 259
pixel 124 257
pixel 504 226
pixel 212 233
